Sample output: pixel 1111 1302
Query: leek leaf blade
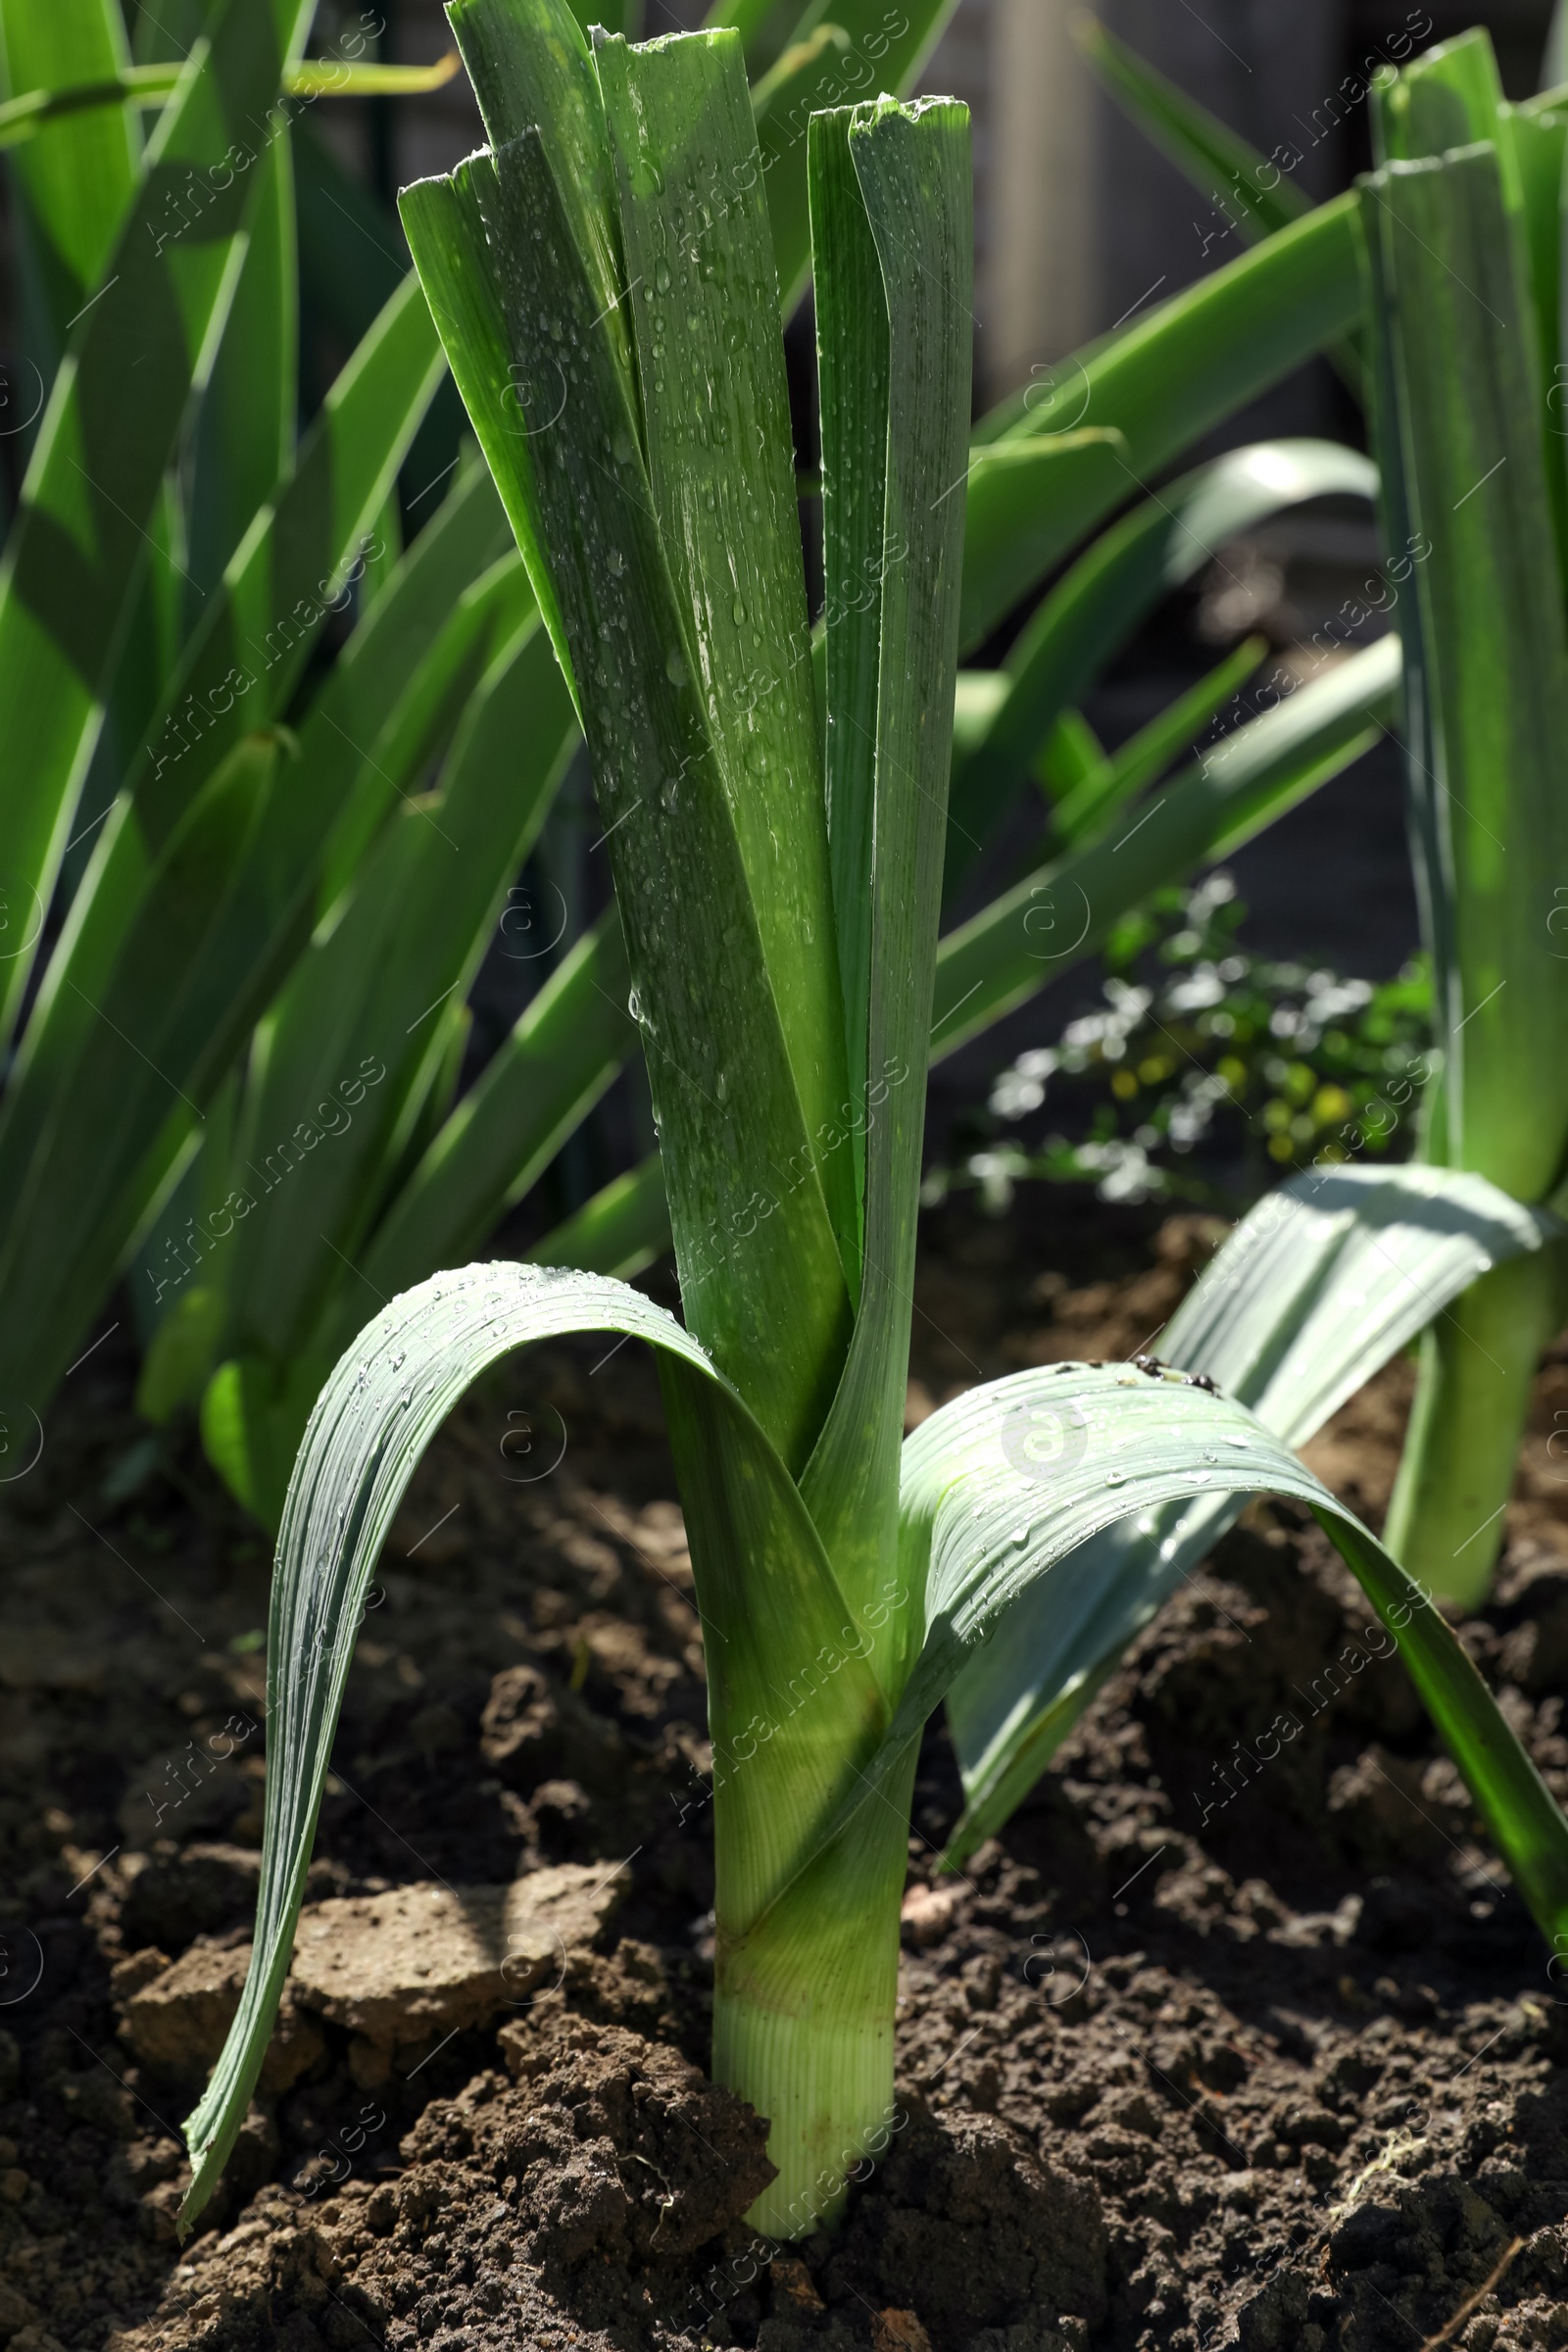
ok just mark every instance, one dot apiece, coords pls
pixel 1489 653
pixel 910 167
pixel 760 1268
pixel 721 468
pixel 72 186
pixel 366 1001
pixel 1004 1485
pixel 769 1603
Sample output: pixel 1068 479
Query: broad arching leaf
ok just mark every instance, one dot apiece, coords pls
pixel 1314 1292
pixel 1003 1485
pixel 767 1597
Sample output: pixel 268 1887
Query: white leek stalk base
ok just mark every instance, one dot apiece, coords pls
pixel 825 2084
pixel 803 2008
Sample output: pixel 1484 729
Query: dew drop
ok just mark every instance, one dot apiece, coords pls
pixel 675 666
pixel 737 610
pixel 662 279
pixel 617 562
pixel 756 755
pixel 1115 1478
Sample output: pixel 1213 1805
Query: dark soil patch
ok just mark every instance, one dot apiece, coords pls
pixel 1230 2038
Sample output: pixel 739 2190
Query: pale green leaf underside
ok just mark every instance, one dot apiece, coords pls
pixel 1315 1291
pixel 1003 1487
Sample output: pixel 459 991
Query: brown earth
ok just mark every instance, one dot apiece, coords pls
pixel 1213 2046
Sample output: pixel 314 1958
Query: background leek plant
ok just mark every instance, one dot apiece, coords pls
pixel 1463 228
pixel 780 887
pixel 1331 1276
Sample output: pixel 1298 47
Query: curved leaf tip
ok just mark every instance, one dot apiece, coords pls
pixel 382 1403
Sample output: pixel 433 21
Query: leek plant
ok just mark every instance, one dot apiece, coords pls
pixel 779 884
pixel 1465 1251
pixel 1462 221
pixel 1464 225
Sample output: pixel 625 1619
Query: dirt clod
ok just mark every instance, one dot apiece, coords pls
pixel 424 1960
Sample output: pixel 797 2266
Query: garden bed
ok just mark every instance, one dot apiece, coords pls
pixel 1235 2035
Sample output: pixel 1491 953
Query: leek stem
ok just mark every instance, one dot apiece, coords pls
pixel 805 2004
pixel 1456 1473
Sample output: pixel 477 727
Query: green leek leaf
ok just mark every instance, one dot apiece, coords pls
pixel 882 51
pixel 1105 788
pixel 1493 655
pixel 358 1009
pixel 1321 1283
pixel 764 1288
pixel 210 909
pixel 892 223
pixel 765 1602
pixel 1007 1482
pixel 1251 192
pixel 563 1051
pixel 1185 365
pixel 244 438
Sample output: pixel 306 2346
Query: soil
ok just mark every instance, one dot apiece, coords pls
pixel 1225 2040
